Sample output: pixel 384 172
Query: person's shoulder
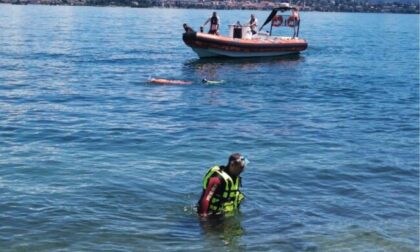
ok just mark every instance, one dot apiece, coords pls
pixel 220 168
pixel 215 180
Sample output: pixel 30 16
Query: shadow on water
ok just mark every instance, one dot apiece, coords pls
pixel 225 229
pixel 245 61
pixel 221 67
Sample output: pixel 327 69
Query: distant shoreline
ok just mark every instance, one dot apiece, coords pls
pixel 382 8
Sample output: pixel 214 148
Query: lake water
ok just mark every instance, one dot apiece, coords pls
pixel 93 158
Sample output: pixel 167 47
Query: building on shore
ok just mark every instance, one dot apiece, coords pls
pixel 304 5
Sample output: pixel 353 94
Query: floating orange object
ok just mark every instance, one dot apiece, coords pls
pixel 277 20
pixel 169 82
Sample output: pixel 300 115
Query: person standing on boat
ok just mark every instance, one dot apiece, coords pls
pixel 293 18
pixel 221 194
pixel 214 24
pixel 295 14
pixel 253 24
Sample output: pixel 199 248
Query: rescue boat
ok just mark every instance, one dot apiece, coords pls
pixel 242 43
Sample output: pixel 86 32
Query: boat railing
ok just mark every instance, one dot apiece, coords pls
pixel 286 20
pixel 290 21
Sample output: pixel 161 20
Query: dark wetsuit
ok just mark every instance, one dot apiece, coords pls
pixel 214 25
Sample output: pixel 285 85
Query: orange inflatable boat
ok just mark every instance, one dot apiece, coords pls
pixel 243 42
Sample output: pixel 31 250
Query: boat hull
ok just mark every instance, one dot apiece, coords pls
pixel 207 45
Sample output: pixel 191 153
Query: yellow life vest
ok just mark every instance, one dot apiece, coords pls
pixel 228 199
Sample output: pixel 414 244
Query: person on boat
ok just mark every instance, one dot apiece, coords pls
pixel 187 28
pixel 294 18
pixel 295 14
pixel 221 194
pixel 214 24
pixel 253 24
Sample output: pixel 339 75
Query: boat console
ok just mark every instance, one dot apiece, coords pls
pixel 239 31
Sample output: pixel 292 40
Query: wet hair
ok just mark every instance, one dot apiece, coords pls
pixel 234 158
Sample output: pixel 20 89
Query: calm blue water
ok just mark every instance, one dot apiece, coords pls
pixel 93 158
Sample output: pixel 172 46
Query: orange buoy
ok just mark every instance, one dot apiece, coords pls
pixel 277 21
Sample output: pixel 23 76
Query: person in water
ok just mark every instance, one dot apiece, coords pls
pixel 206 81
pixel 214 24
pixel 253 22
pixel 168 82
pixel 221 194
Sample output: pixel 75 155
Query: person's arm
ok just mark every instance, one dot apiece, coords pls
pixel 212 186
pixel 251 24
pixel 208 20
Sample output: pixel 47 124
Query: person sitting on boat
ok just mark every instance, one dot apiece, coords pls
pixel 214 24
pixel 253 24
pixel 221 194
pixel 187 28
